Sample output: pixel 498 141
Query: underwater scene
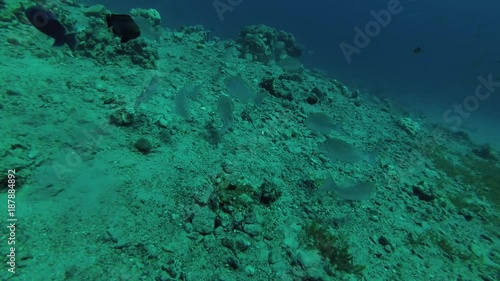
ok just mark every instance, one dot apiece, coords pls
pixel 230 140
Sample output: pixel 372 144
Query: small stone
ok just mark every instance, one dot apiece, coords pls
pixel 33 153
pixel 386 243
pixel 95 11
pixel 312 99
pixel 100 88
pixel 309 258
pixel 476 249
pixel 163 123
pixel 242 244
pixel 122 117
pixel 12 93
pixel 250 270
pixel 409 126
pixel 227 167
pixel 204 221
pixel 143 145
pixel 387 248
pixel 252 229
pixel 13 41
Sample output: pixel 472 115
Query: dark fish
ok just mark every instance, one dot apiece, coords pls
pixel 123 26
pixel 45 21
pixel 417 50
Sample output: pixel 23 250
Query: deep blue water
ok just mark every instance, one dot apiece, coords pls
pixel 459 39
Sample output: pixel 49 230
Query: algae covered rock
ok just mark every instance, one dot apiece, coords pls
pixel 152 15
pixel 266 44
pixel 95 11
pixel 409 125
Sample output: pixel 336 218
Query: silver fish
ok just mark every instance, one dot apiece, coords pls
pixel 337 149
pixel 321 123
pixel 148 92
pixel 225 109
pixel 355 191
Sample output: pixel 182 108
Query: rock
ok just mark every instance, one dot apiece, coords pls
pixel 266 44
pixel 121 117
pixel 423 193
pixel 269 193
pixel 409 126
pixel 242 243
pixel 252 229
pixel 95 11
pixel 204 221
pixel 309 259
pixel 152 15
pixel 162 122
pixel 227 167
pixel 10 92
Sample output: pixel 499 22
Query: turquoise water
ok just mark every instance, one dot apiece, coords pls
pixel 179 155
